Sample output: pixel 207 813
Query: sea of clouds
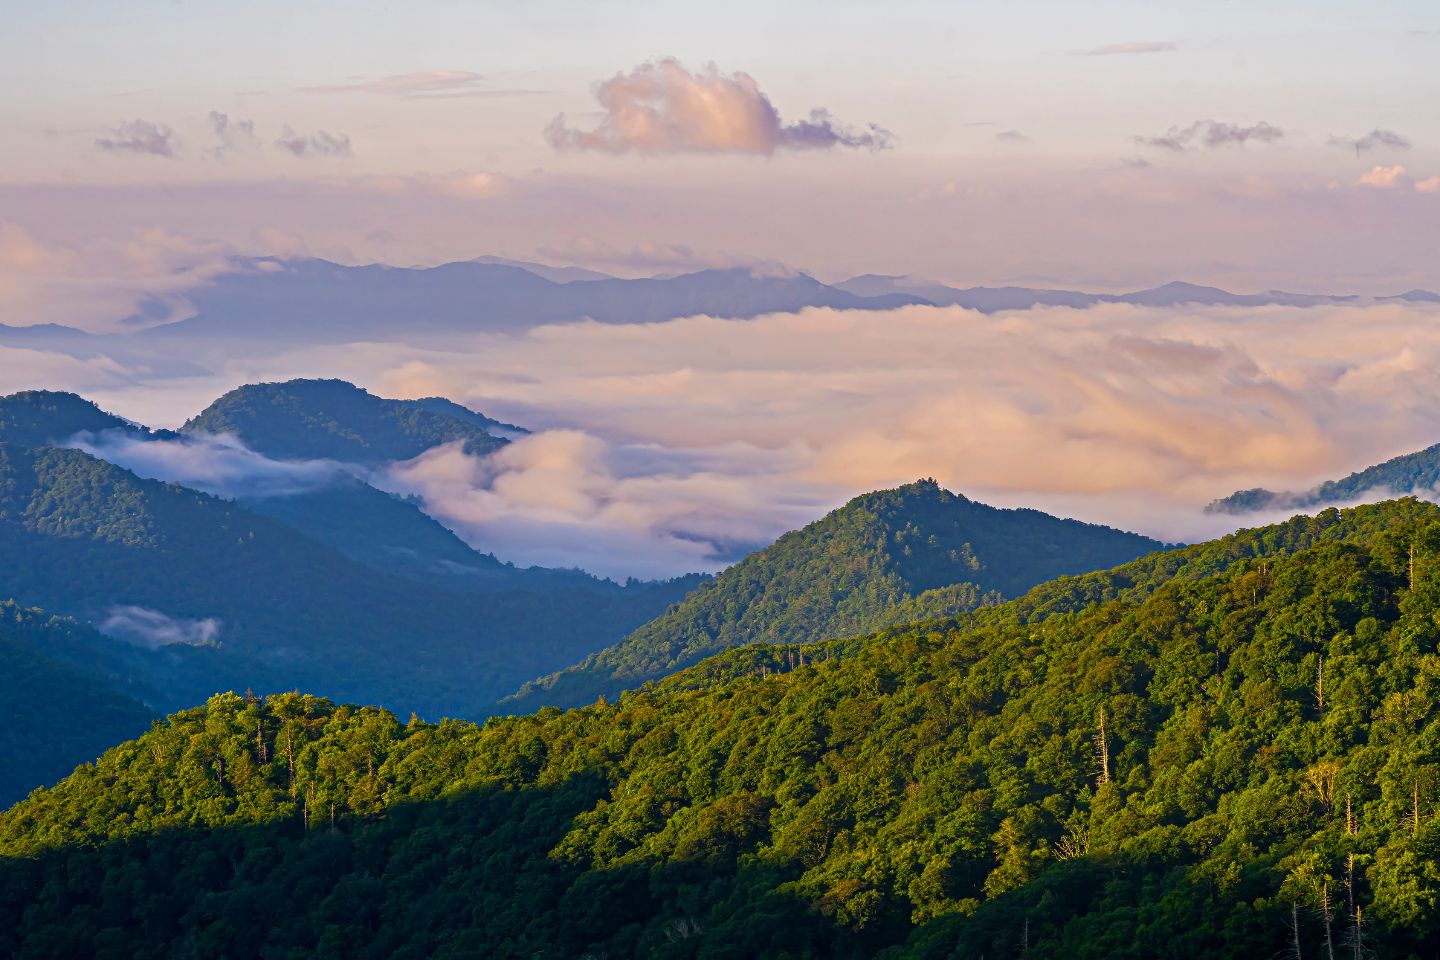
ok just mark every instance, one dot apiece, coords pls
pixel 670 447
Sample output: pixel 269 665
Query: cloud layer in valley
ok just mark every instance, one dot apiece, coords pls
pixel 663 107
pixel 669 447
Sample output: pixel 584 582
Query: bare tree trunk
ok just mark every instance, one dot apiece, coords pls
pixel 1325 914
pixel 1295 928
pixel 1102 747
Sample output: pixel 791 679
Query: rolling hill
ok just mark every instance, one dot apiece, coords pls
pixel 889 557
pixel 1233 762
pixel 289 603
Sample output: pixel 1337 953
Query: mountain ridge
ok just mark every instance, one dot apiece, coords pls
pixel 908 553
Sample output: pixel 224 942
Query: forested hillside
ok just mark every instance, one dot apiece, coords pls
pixel 68 694
pixel 335 420
pixel 1235 762
pixel 83 537
pixel 896 556
pixel 1412 473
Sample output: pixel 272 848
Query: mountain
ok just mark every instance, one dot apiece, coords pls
pixel 1416 296
pixel 544 270
pixel 889 557
pixel 37 418
pixel 214 594
pixel 1418 471
pixel 1175 293
pixel 45 662
pixel 1234 764
pixel 317 301
pixel 336 420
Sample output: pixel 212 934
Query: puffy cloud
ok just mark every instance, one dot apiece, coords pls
pixel 1383 178
pixel 1011 136
pixel 422 85
pixel 152 629
pixel 662 107
pixel 1374 139
pixel 317 144
pixel 1213 134
pixel 141 136
pixel 567 498
pixel 1142 46
pixel 1428 185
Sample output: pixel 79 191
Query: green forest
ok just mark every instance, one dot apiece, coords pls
pixel 1227 750
pixel 913 553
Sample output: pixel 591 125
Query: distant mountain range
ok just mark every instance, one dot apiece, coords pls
pixel 1410 473
pixel 340 583
pixel 1175 293
pixel 914 553
pixel 270 300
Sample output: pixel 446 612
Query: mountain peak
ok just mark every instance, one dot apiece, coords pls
pixel 34 418
pixel 337 420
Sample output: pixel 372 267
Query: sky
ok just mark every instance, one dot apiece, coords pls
pixel 1102 146
pixel 1006 142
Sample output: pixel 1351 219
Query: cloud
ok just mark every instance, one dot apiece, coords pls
pixel 662 107
pixel 218 465
pixel 673 446
pixel 567 498
pixel 141 136
pixel 152 629
pixel 422 85
pixel 457 183
pixel 1428 185
pixel 317 144
pixel 1011 136
pixel 234 135
pixel 1144 46
pixel 1213 134
pixel 95 285
pixel 1374 139
pixel 1382 178
pixel 1127 415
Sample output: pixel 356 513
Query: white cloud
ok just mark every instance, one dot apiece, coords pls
pixel 217 464
pixel 152 629
pixel 568 498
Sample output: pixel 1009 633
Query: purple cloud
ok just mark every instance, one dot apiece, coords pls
pixel 317 144
pixel 1213 134
pixel 141 136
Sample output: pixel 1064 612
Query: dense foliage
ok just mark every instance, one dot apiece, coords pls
pixel 1226 763
pixel 897 556
pixel 332 419
pixel 81 536
pixel 1410 473
pixel 47 661
pixel 37 418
